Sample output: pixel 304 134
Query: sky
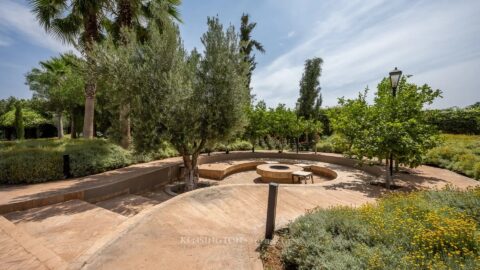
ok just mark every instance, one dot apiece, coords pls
pixel 436 41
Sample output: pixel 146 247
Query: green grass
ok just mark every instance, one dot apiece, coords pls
pixel 41 160
pixel 421 230
pixel 459 153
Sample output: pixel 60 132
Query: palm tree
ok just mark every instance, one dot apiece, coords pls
pixel 248 44
pixel 76 22
pixel 130 14
pixel 59 84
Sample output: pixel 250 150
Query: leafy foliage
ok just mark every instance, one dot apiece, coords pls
pixel 191 100
pixel 422 230
pixel 35 161
pixel 30 118
pixel 247 45
pixel 455 120
pixel 459 153
pixel 393 125
pixel 310 98
pixel 59 82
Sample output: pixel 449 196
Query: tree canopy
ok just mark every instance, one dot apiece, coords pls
pixel 394 126
pixel 189 99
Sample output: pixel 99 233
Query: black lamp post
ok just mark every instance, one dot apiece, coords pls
pixel 395 76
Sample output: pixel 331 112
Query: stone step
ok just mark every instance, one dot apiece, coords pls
pixel 22 251
pixel 158 194
pixel 128 205
pixel 67 228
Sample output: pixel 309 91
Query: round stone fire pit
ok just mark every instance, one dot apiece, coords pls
pixel 279 173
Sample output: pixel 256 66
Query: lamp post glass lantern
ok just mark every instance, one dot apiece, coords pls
pixel 395 76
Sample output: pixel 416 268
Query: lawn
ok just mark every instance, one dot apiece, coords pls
pixel 420 230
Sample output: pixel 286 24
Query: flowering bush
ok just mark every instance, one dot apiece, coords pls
pixel 421 230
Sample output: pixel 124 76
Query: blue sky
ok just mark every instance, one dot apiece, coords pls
pixel 438 42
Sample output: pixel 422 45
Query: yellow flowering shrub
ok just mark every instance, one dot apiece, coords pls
pixel 419 230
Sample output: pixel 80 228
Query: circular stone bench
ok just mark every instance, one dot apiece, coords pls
pixel 322 171
pixel 218 171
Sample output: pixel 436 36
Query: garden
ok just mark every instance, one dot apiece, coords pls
pixel 134 94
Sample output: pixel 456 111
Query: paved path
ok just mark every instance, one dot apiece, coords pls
pixel 214 228
pixel 220 227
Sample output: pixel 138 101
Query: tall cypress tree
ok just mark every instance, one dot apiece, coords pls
pixel 310 98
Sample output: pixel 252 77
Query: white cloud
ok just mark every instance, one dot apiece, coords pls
pixel 16 18
pixel 360 43
pixel 291 34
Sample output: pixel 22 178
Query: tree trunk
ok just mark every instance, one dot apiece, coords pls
pixel 60 125
pixel 89 111
pixel 297 143
pixel 73 129
pixel 191 172
pixel 389 171
pixel 90 37
pixel 125 126
pixel 387 174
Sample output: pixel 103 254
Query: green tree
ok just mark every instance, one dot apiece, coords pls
pixel 394 127
pixel 315 128
pixel 247 45
pixel 191 100
pixel 76 22
pixel 351 120
pixel 58 83
pixel 131 16
pixel 283 125
pixel 257 126
pixel 19 128
pixel 310 99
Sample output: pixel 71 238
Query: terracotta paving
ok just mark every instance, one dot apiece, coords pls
pixel 212 228
pixel 220 227
pixel 67 228
pixel 127 205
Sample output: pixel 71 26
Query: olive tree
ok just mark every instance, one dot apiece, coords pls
pixel 191 100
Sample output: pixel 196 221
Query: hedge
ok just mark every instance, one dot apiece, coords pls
pixel 36 161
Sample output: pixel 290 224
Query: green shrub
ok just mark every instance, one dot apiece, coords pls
pixel 41 160
pixel 455 120
pixel 30 166
pixel 422 230
pixel 35 161
pixel 459 153
pixel 238 145
pixel 96 156
pixel 332 144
